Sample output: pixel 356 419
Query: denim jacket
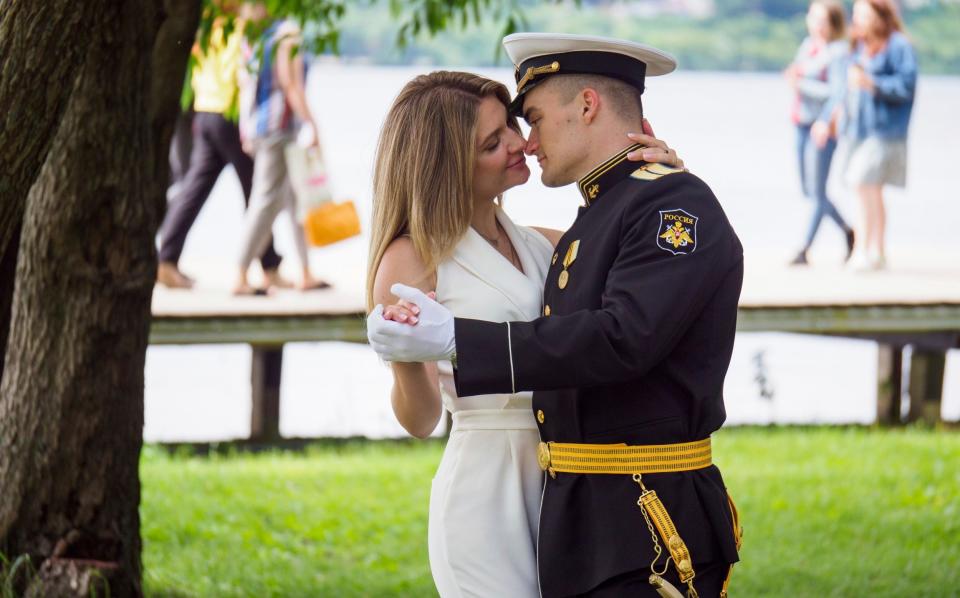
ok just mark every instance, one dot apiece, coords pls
pixel 885 112
pixel 822 77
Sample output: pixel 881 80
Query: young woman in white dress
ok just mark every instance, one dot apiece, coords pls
pixel 447 152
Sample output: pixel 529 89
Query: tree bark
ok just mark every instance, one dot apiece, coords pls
pixel 178 22
pixel 33 96
pixel 71 398
pixel 8 270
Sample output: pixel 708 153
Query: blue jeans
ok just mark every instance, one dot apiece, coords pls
pixel 814 170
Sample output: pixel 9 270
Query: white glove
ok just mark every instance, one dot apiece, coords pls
pixel 432 338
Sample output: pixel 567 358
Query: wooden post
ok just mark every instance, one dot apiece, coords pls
pixel 265 387
pixel 889 383
pixel 926 384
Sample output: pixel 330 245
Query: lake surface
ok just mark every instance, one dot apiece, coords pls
pixel 731 129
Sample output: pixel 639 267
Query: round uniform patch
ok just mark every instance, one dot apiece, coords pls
pixel 678 232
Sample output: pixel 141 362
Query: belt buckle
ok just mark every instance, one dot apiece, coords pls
pixel 543 456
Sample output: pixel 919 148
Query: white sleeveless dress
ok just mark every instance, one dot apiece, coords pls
pixel 485 500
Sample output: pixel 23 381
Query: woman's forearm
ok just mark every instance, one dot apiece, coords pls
pixel 290 78
pixel 416 397
pixel 298 95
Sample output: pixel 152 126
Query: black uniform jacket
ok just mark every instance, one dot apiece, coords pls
pixel 634 350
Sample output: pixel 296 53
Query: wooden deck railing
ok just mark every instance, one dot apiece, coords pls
pixel 896 309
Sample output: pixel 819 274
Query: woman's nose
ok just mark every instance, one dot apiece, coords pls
pixel 516 143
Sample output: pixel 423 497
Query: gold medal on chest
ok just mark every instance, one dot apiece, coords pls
pixel 568 260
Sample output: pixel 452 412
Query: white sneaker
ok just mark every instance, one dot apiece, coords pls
pixel 878 262
pixel 868 263
pixel 860 262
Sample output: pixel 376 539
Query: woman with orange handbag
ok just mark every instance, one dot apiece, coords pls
pixel 269 112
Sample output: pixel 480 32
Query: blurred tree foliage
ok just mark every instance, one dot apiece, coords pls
pixel 755 35
pixel 777 9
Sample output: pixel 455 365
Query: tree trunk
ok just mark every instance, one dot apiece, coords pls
pixel 33 96
pixel 71 398
pixel 178 21
pixel 8 270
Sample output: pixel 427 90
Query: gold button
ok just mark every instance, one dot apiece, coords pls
pixel 554 260
pixel 546 310
pixel 540 416
pixel 684 566
pixel 675 542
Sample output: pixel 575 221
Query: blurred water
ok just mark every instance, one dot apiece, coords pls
pixel 731 129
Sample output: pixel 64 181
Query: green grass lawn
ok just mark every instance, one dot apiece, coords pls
pixel 826 512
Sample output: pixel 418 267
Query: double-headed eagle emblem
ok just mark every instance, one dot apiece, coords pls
pixel 678 236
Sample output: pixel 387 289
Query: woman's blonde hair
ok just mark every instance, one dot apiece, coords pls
pixel 423 177
pixel 836 17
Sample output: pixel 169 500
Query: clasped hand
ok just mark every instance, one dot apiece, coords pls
pixel 415 329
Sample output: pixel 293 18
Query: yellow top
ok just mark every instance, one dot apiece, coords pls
pixel 214 77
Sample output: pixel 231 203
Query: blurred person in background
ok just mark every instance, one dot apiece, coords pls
pixel 215 143
pixel 273 108
pixel 181 145
pixel 880 87
pixel 816 75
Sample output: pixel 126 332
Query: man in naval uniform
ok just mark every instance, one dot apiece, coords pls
pixel 628 360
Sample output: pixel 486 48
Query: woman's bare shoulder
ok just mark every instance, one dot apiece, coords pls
pixel 401 263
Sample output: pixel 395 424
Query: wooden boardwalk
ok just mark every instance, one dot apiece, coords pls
pixel 213 315
pixel 915 305
pixel 823 300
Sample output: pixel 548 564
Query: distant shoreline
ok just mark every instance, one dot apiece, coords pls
pixel 724 39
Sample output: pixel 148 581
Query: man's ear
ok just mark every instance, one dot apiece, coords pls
pixel 589 104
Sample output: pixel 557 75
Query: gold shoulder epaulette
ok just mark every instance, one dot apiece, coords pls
pixel 652 171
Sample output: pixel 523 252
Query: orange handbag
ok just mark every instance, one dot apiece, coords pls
pixel 324 220
pixel 331 222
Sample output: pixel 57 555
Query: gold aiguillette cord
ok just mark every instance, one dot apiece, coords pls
pixel 656 515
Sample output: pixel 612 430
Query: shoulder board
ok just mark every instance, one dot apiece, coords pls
pixel 652 171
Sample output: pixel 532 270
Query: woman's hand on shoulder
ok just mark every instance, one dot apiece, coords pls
pixel 654 150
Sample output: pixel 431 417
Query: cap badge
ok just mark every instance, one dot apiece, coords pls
pixel 533 71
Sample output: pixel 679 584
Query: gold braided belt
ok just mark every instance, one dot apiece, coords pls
pixel 636 461
pixel 565 457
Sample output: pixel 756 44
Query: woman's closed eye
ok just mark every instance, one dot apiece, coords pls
pixel 492 146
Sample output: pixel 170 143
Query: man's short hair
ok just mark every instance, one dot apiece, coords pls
pixel 625 98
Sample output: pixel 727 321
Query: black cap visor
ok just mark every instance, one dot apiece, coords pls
pixel 607 64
